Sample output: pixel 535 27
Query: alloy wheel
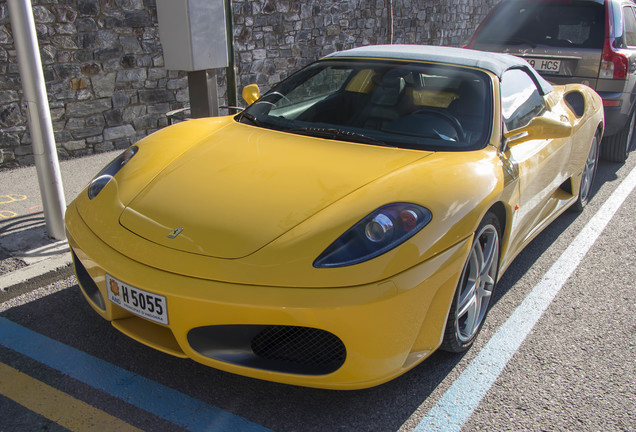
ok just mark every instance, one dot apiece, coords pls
pixel 588 171
pixel 477 283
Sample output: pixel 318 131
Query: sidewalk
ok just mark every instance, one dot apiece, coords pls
pixel 28 256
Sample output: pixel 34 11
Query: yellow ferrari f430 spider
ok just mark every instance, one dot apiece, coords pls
pixel 348 223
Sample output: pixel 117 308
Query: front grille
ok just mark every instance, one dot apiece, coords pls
pixel 290 349
pixel 304 345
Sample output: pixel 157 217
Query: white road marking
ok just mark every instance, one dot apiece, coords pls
pixel 460 401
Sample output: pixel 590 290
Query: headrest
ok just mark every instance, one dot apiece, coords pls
pixel 389 88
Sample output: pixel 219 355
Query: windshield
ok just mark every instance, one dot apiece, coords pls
pixel 397 104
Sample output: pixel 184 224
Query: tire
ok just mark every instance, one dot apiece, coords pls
pixel 616 147
pixel 587 178
pixel 476 286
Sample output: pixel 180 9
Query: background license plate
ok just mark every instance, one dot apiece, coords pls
pixel 135 300
pixel 545 65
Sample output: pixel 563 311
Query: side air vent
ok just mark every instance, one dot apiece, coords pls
pixel 576 103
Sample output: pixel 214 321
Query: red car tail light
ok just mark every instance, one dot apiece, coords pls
pixel 612 103
pixel 614 65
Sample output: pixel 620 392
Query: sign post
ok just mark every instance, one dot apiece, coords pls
pixel 194 39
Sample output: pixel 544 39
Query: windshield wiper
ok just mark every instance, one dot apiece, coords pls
pixel 444 137
pixel 507 41
pixel 253 119
pixel 521 41
pixel 334 133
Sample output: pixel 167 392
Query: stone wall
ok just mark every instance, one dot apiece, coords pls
pixel 276 37
pixel 103 62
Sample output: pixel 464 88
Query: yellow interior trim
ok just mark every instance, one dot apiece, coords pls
pixel 432 98
pixel 362 82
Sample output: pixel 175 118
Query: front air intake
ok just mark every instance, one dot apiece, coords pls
pixel 290 349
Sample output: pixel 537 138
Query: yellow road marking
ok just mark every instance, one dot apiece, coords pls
pixel 55 405
pixel 6 199
pixel 6 214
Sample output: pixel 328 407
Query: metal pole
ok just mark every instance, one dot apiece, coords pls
pixel 232 98
pixel 204 100
pixel 390 19
pixel 44 151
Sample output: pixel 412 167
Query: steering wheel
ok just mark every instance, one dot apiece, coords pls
pixel 450 119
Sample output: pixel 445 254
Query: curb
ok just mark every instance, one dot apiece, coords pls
pixel 43 272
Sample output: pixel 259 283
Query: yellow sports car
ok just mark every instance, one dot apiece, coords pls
pixel 345 225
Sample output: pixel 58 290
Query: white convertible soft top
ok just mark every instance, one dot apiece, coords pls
pixel 496 63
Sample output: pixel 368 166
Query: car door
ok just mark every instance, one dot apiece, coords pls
pixel 541 164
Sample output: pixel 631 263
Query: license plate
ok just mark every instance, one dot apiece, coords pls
pixel 138 301
pixel 545 65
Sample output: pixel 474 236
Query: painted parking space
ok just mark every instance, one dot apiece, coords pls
pixel 162 401
pixel 55 405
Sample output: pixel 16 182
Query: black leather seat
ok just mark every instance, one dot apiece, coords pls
pixel 386 103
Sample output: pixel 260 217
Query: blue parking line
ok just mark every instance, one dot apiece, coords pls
pixel 169 404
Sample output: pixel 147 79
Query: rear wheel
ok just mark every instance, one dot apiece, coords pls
pixel 616 147
pixel 475 289
pixel 587 178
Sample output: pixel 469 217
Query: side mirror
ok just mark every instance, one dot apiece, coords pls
pixel 251 93
pixel 538 128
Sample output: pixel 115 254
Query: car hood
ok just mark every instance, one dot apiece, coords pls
pixel 242 187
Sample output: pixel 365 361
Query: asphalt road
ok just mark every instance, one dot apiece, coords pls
pixel 576 370
pixel 19 191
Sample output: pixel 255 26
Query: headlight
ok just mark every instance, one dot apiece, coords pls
pixel 379 232
pixel 101 180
